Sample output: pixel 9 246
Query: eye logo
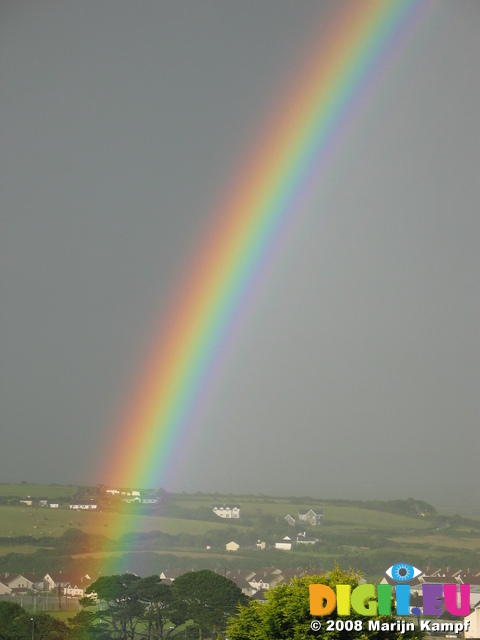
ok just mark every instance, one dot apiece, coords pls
pixel 402 572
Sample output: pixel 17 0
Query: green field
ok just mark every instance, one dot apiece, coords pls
pixel 180 529
pixel 335 516
pixel 50 491
pixel 36 522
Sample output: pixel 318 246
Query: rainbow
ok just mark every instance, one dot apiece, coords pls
pixel 280 177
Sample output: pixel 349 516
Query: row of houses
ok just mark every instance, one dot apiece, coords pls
pixel 254 584
pixel 250 582
pixel 226 511
pixel 60 584
pixel 84 505
pixel 285 544
pixel 438 576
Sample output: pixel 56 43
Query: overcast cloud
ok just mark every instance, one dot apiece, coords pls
pixel 357 372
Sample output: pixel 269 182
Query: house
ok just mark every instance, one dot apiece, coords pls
pixel 232 546
pixel 290 519
pixel 223 511
pixel 170 575
pixel 309 516
pixel 302 538
pixel 240 579
pixel 259 596
pixel 23 582
pixel 285 544
pixel 66 584
pixel 260 544
pixel 84 505
pixel 474 619
pixel 56 581
pixel 265 578
pixel 42 502
pixel 5 590
pixel 292 574
pixel 27 502
pixel 53 505
pixel 5 579
pixel 76 586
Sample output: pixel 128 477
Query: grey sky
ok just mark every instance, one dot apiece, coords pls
pixel 357 374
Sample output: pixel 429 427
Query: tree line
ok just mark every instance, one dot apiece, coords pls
pixel 199 604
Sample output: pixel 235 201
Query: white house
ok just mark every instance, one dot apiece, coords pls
pixel 474 626
pixel 309 516
pixel 76 587
pixel 171 574
pixel 24 581
pixel 232 546
pixel 84 505
pixel 53 581
pixel 265 578
pixel 223 511
pixel 285 544
pixel 72 586
pixel 302 538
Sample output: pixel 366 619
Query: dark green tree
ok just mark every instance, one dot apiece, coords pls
pixel 120 608
pixel 87 626
pixel 286 614
pixel 159 614
pixel 206 598
pixel 17 624
pixel 11 617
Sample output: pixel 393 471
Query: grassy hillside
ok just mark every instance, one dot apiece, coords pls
pixel 27 521
pixel 182 531
pixel 50 491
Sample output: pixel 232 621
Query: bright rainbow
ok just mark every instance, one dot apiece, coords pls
pixel 280 178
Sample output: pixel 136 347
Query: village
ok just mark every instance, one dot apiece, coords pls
pixel 58 591
pixel 257 543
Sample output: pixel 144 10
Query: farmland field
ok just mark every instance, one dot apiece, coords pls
pixel 32 521
pixel 182 530
pixel 50 491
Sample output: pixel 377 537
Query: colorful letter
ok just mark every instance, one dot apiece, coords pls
pixel 322 599
pixel 363 600
pixel 402 593
pixel 343 599
pixel 432 594
pixel 450 595
pixel 384 596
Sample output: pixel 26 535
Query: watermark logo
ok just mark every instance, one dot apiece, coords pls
pixel 368 600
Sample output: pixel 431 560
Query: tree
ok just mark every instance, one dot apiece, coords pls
pixel 122 606
pixel 17 624
pixel 11 617
pixel 286 614
pixel 158 613
pixel 207 598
